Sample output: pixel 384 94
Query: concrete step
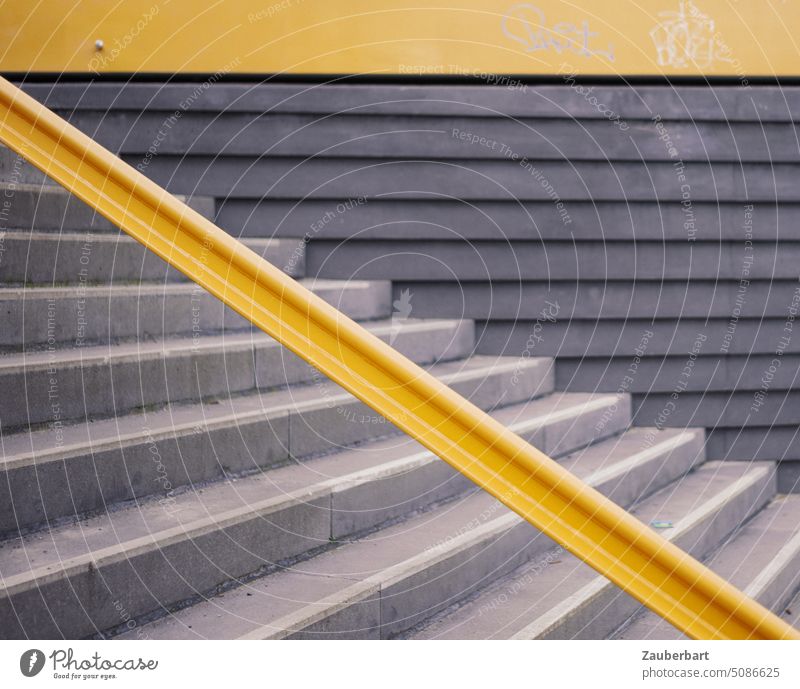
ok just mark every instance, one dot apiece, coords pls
pixel 69 580
pixel 82 315
pixel 50 258
pixel 111 380
pixel 558 596
pixel 64 470
pixel 37 203
pixel 380 584
pixel 762 559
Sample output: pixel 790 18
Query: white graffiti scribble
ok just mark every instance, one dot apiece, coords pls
pixel 688 38
pixel 526 24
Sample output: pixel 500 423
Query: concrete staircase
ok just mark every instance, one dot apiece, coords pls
pixel 168 472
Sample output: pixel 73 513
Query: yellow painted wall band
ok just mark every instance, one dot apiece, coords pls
pixel 403 37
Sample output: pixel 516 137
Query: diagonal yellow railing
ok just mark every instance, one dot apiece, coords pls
pixel 648 567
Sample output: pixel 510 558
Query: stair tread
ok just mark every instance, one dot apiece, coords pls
pixel 546 585
pixel 221 501
pixel 363 563
pixel 749 553
pixel 25 446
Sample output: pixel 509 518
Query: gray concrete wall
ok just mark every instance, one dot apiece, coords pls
pixel 648 237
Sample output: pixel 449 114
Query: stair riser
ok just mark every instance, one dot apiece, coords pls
pixel 155 465
pixel 133 382
pixel 422 593
pixel 239 547
pixel 600 615
pixel 31 319
pixel 56 260
pixel 362 617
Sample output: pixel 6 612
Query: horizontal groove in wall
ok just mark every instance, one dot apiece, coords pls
pixel 699 102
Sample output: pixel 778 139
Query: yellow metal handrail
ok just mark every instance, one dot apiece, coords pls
pixel 613 542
